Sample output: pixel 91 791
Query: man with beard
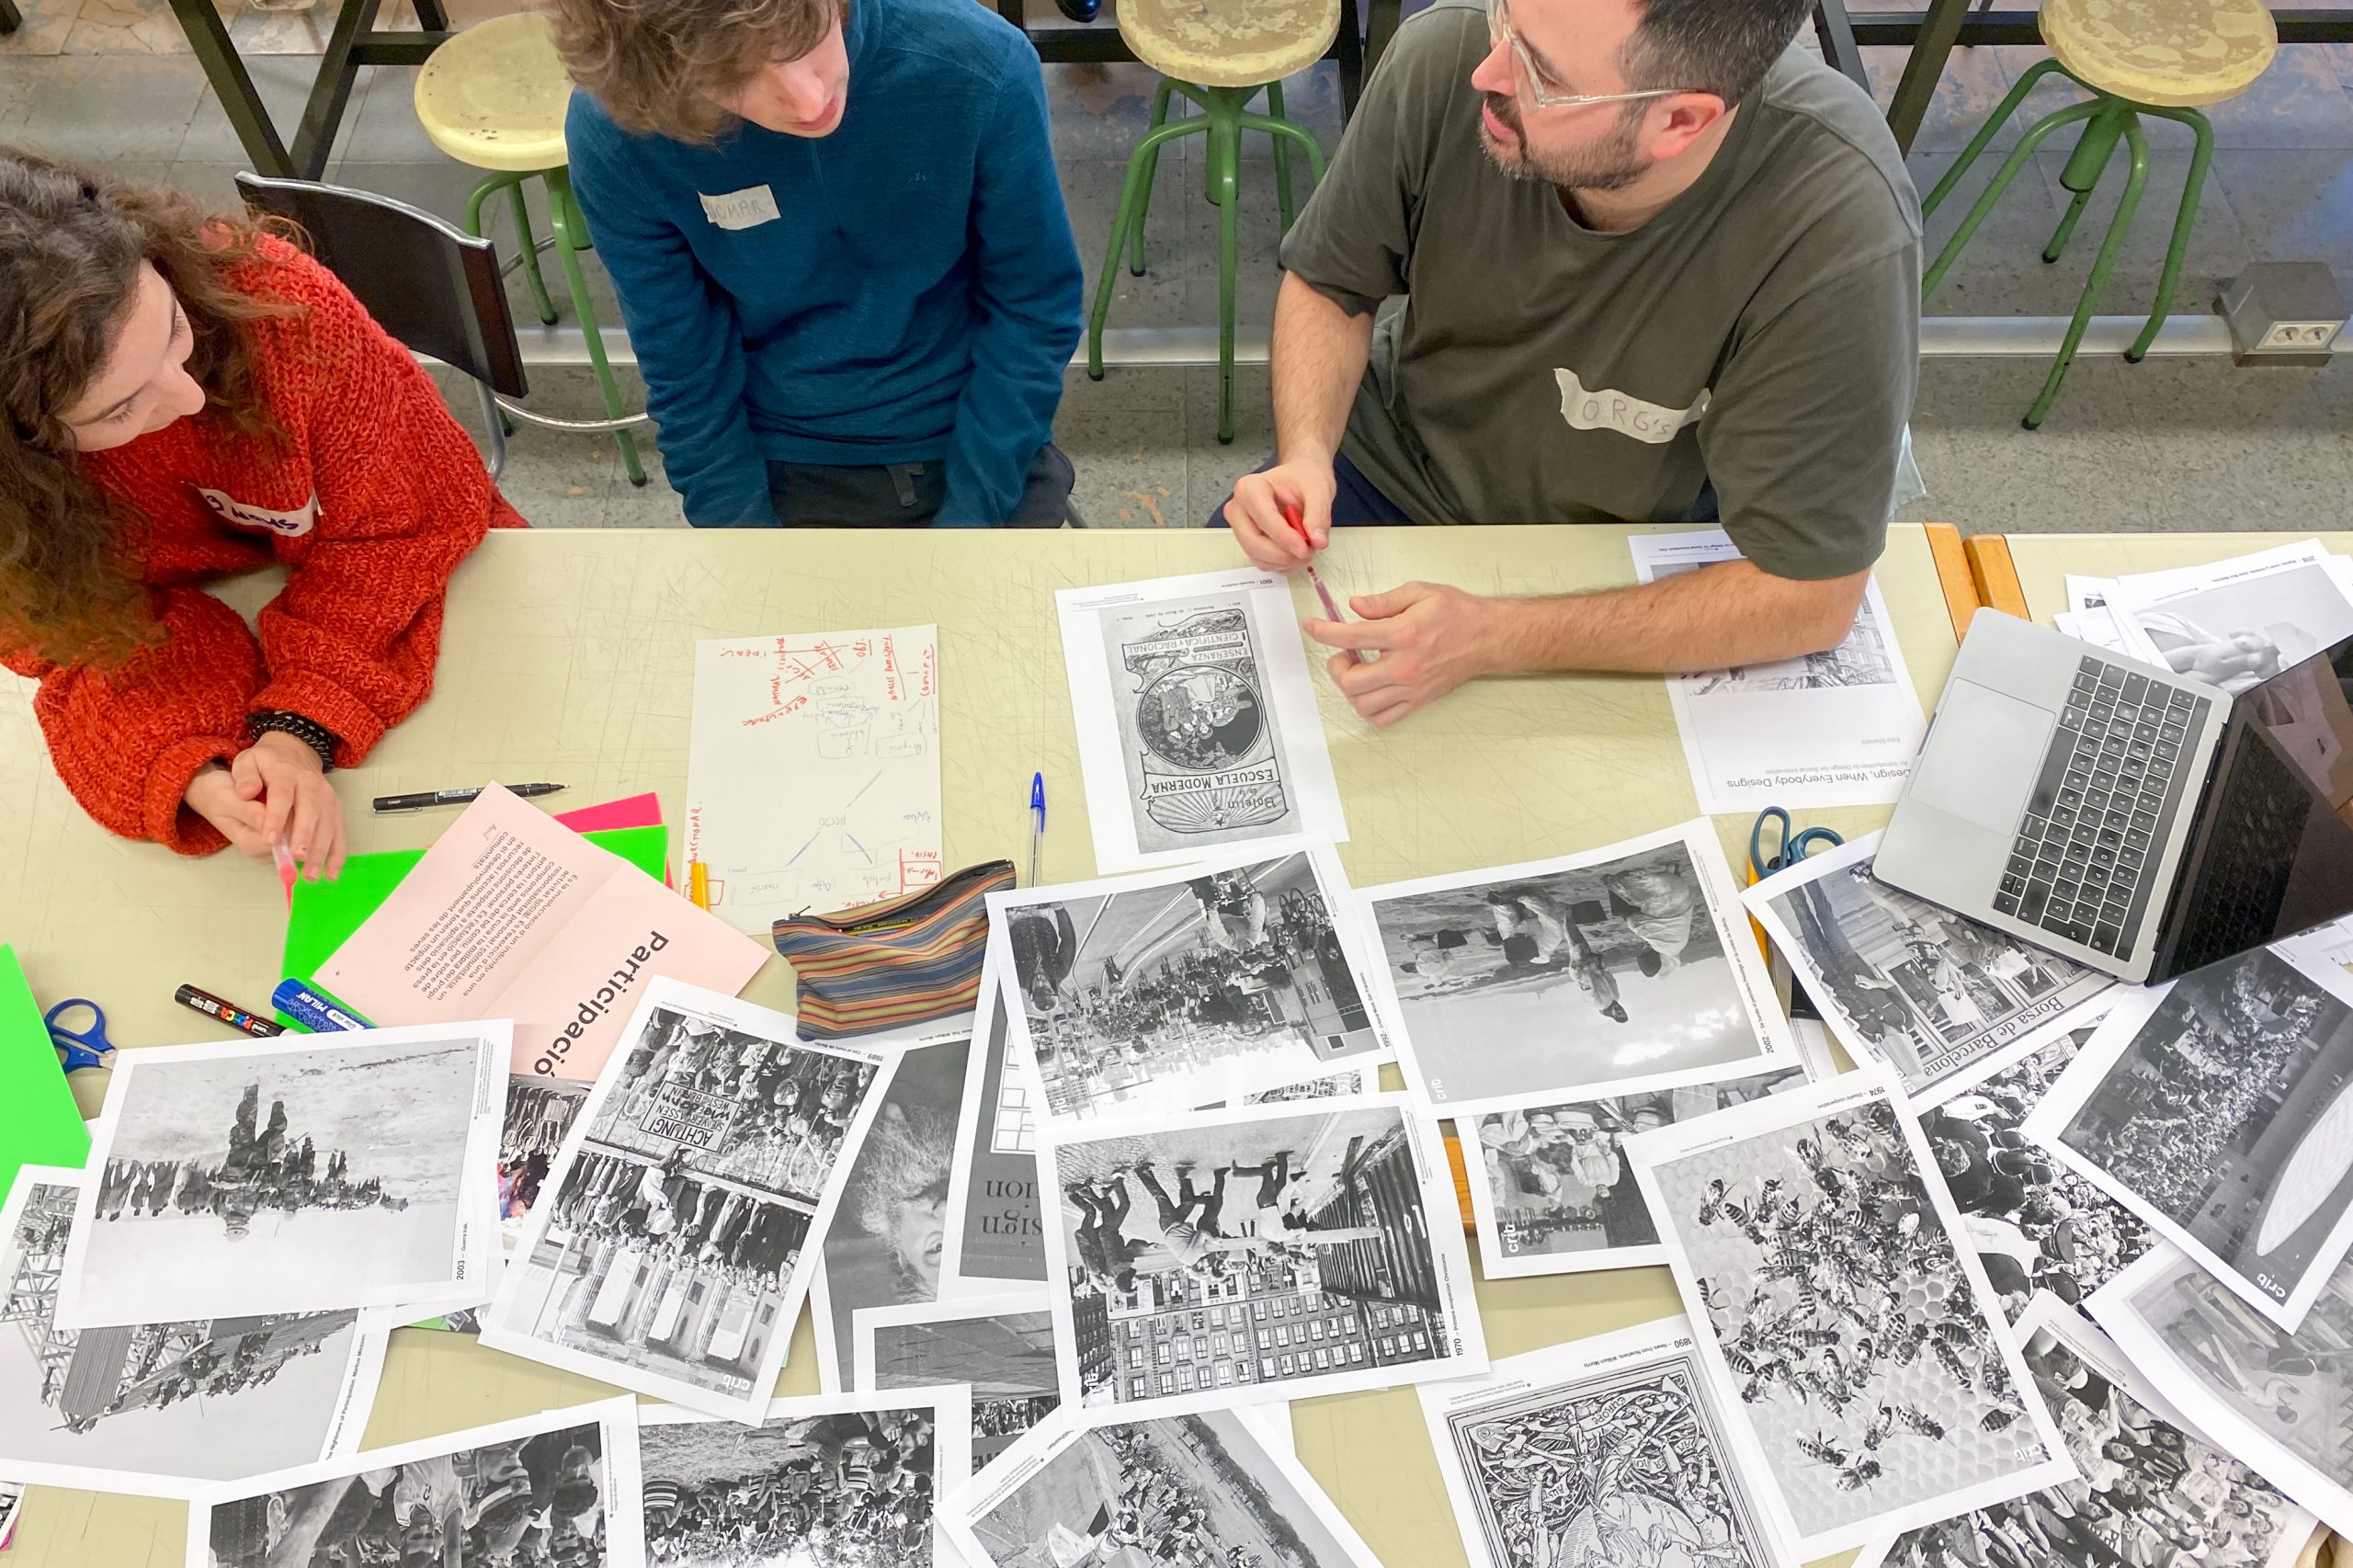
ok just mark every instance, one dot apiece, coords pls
pixel 1658 268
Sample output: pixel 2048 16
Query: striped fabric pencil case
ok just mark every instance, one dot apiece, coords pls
pixel 886 965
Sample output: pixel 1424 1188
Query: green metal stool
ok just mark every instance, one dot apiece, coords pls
pixel 2136 57
pixel 1217 56
pixel 494 97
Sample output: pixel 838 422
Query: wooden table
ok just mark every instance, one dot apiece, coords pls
pixel 2026 575
pixel 568 656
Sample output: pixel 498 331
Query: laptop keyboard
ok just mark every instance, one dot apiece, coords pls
pixel 2081 865
pixel 2249 859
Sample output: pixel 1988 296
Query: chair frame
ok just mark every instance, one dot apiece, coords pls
pixel 481 277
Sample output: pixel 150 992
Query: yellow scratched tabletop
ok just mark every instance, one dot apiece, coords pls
pixel 568 656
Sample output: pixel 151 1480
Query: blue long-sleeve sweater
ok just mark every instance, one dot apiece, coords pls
pixel 916 298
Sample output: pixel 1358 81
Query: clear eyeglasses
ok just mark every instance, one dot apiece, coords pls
pixel 1532 91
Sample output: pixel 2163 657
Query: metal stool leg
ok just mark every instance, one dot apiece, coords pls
pixel 2010 167
pixel 1224 178
pixel 571 232
pixel 2093 150
pixel 526 241
pixel 1151 170
pixel 1282 130
pixel 2184 221
pixel 1131 195
pixel 2108 250
pixel 2066 230
pixel 1282 156
pixel 1985 134
pixel 530 245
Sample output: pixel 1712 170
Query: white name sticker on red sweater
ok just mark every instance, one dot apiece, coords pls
pixel 292 525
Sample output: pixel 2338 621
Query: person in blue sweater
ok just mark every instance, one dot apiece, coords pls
pixel 841 250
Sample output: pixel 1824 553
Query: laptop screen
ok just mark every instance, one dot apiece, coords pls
pixel 2273 850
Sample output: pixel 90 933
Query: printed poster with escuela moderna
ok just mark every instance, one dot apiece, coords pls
pixel 511 915
pixel 1837 728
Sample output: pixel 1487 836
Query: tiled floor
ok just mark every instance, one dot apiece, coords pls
pixel 2168 445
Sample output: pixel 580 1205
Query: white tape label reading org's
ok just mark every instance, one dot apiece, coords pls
pixel 292 525
pixel 1628 415
pixel 747 209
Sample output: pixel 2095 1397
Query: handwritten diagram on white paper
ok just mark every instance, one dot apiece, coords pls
pixel 1837 728
pixel 812 772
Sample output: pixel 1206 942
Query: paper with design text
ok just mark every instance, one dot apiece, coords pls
pixel 1836 728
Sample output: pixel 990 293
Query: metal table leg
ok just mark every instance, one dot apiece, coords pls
pixel 331 93
pixel 1348 48
pixel 1939 29
pixel 352 42
pixel 1380 26
pixel 209 37
pixel 1835 32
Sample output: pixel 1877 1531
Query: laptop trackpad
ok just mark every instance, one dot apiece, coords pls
pixel 1982 758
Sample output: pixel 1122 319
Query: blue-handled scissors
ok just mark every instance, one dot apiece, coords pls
pixel 83 1047
pixel 1794 846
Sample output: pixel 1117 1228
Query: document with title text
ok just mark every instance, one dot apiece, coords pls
pixel 1835 728
pixel 513 914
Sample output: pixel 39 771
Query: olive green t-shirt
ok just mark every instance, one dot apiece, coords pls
pixel 1760 336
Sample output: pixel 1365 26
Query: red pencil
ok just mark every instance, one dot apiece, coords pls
pixel 1298 521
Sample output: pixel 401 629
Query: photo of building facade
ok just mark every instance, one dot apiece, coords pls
pixel 1272 1318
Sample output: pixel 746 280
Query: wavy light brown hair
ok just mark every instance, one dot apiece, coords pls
pixel 659 66
pixel 71 244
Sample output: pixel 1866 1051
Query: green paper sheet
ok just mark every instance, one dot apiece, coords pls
pixel 40 1124
pixel 327 914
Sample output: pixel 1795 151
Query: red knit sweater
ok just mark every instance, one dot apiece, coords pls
pixel 371 502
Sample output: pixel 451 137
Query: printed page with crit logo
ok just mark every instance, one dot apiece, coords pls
pixel 513 914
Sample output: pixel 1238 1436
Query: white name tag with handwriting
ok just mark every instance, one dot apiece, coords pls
pixel 747 209
pixel 292 525
pixel 1605 410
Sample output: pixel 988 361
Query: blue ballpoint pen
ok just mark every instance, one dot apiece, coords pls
pixel 1037 822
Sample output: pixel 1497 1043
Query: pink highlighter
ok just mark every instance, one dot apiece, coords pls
pixel 284 856
pixel 1298 521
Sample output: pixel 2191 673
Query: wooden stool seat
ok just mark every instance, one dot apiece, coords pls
pixel 1229 44
pixel 2173 54
pixel 493 97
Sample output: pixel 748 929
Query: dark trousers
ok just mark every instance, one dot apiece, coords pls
pixel 906 495
pixel 1359 504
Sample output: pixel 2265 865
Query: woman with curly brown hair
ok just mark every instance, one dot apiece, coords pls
pixel 187 397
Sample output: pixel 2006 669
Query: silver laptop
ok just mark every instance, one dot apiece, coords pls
pixel 2134 820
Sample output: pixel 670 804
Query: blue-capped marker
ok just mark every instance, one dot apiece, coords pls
pixel 318 1014
pixel 1037 822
